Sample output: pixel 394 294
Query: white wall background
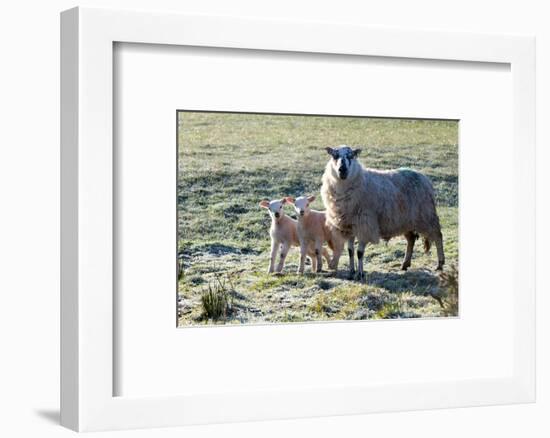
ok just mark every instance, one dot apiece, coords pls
pixel 29 212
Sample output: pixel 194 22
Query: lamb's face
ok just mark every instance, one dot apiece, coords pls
pixel 343 161
pixel 302 205
pixel 274 207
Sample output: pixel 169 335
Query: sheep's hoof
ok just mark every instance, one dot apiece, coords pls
pixel 439 267
pixel 405 266
pixel 360 277
pixel 351 275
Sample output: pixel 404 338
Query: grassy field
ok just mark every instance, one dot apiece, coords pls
pixel 229 162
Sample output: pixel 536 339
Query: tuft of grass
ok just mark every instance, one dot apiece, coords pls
pixel 339 303
pixel 391 310
pixel 320 305
pixel 449 283
pixel 216 300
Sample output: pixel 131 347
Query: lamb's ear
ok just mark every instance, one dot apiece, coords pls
pixel 356 152
pixel 330 151
pixel 288 199
pixel 310 199
pixel 264 204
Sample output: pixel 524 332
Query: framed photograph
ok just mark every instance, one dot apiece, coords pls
pixel 276 219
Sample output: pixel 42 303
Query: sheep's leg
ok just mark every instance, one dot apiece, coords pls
pixel 303 253
pixel 440 254
pixel 411 237
pixel 336 253
pixel 284 251
pixel 318 255
pixel 360 253
pixel 274 249
pixel 351 250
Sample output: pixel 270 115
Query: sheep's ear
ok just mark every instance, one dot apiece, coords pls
pixel 288 199
pixel 356 152
pixel 264 204
pixel 330 151
pixel 311 199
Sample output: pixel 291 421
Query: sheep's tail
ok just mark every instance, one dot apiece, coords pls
pixel 427 245
pixel 425 240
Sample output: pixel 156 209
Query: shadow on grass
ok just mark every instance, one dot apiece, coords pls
pixel 216 248
pixel 253 184
pixel 420 282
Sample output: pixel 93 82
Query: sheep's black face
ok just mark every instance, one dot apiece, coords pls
pixel 342 159
pixel 343 168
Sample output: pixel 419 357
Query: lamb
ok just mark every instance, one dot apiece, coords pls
pixel 370 205
pixel 312 233
pixel 283 233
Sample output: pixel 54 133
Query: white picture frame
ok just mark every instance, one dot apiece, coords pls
pixel 87 316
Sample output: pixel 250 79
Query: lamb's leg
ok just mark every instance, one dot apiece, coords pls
pixel 303 253
pixel 274 249
pixel 351 250
pixel 326 255
pixel 284 251
pixel 313 259
pixel 360 253
pixel 440 254
pixel 318 255
pixel 411 237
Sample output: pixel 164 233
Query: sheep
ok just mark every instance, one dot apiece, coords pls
pixel 370 205
pixel 312 233
pixel 283 233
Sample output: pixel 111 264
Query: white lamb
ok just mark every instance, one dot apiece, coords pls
pixel 283 234
pixel 312 234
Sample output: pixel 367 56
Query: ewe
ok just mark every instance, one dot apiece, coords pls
pixel 371 205
pixel 312 233
pixel 283 233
